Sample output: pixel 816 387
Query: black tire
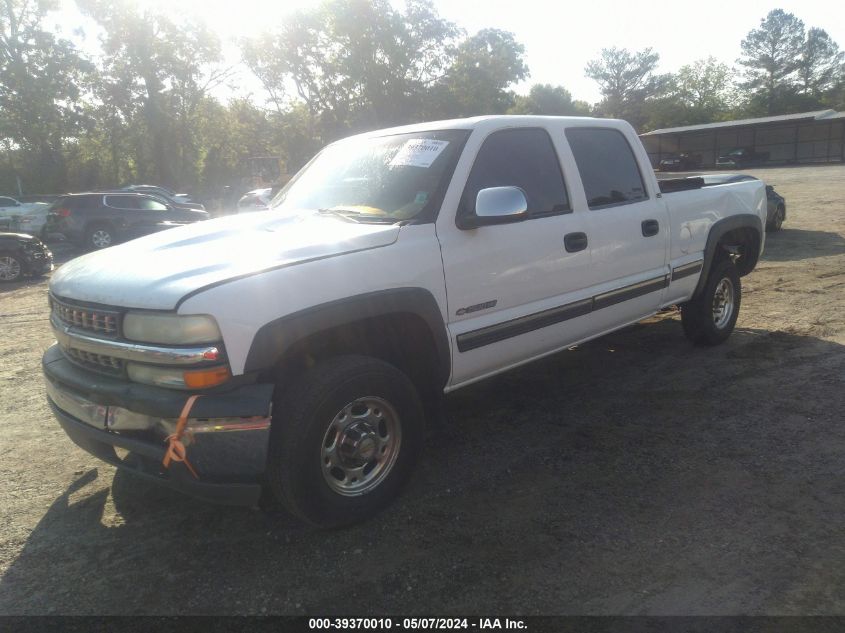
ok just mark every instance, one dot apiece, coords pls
pixel 702 324
pixel 11 267
pixel 304 411
pixel 98 237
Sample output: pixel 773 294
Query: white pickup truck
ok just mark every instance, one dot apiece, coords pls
pixel 396 266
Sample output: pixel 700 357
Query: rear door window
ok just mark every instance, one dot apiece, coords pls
pixel 122 202
pixel 148 204
pixel 607 166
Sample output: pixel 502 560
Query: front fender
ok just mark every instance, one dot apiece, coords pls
pixel 275 338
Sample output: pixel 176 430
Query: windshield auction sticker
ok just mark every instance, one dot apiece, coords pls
pixel 418 152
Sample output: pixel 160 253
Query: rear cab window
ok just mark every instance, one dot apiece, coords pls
pixel 607 165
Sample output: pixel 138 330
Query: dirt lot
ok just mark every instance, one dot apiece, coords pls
pixel 633 475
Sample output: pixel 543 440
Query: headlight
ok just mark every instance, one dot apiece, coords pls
pixel 174 378
pixel 170 328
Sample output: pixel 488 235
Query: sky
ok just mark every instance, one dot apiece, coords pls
pixel 559 38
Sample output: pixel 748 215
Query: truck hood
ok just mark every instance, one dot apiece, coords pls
pixel 156 271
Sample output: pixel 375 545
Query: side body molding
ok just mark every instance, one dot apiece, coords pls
pixel 276 337
pixel 717 231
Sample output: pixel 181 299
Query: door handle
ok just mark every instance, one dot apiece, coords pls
pixel 650 227
pixel 575 242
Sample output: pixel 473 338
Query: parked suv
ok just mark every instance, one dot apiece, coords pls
pixel 178 199
pixel 98 220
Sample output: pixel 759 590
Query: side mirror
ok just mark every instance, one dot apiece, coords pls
pixel 496 205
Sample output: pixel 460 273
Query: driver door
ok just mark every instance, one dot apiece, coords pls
pixel 515 291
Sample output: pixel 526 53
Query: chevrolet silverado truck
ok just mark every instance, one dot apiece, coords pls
pixel 397 266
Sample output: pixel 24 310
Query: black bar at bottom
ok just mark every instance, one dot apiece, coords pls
pixel 532 624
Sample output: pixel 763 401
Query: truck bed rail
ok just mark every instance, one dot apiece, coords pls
pixel 671 185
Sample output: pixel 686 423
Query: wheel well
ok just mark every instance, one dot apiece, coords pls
pixel 742 243
pixel 402 339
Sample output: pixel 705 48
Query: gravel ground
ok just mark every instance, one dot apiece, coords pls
pixel 633 475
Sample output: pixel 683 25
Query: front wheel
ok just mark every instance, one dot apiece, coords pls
pixel 344 440
pixel 710 318
pixel 10 267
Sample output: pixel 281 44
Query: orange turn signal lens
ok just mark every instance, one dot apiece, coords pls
pixel 204 378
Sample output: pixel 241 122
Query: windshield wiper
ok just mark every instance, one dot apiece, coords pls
pixel 358 216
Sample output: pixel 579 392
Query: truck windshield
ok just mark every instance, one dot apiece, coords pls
pixel 376 179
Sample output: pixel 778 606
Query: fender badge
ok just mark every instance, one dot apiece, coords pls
pixel 478 306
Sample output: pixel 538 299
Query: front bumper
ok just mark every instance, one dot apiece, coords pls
pixel 39 264
pixel 100 414
pixel 36 258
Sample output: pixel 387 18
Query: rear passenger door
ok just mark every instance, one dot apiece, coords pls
pixel 513 288
pixel 628 227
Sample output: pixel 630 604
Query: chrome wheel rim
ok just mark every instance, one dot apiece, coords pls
pixel 723 303
pixel 101 238
pixel 10 268
pixel 360 446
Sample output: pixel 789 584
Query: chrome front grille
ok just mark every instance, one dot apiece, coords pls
pixel 87 318
pixel 100 362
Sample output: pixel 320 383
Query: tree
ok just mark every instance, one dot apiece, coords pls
pixel 156 75
pixel 484 67
pixel 820 63
pixel 42 82
pixel 701 92
pixel 624 79
pixel 771 56
pixel 546 99
pixel 355 64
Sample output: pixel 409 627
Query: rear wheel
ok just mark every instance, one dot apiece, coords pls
pixel 710 318
pixel 99 236
pixel 344 440
pixel 10 267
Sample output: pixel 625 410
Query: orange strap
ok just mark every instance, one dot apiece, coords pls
pixel 175 449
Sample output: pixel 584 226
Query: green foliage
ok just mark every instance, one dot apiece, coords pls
pixel 820 64
pixel 701 92
pixel 549 100
pixel 42 81
pixel 155 74
pixel 788 69
pixel 624 78
pixel 483 67
pixel 146 111
pixel 354 64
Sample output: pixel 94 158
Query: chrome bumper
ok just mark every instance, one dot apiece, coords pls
pixel 118 419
